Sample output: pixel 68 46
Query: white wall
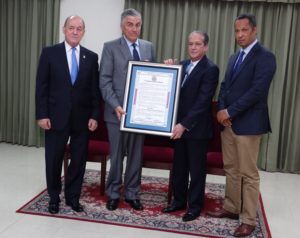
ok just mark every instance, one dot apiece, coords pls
pixel 101 17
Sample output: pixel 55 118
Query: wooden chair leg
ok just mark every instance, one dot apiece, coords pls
pixel 103 175
pixel 170 189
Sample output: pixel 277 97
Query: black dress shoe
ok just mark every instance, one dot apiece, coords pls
pixel 75 205
pixel 112 204
pixel 53 208
pixel 172 208
pixel 190 216
pixel 135 204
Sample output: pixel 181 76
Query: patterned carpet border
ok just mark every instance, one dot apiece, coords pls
pixel 154 198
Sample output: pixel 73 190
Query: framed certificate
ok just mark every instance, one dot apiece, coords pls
pixel 151 98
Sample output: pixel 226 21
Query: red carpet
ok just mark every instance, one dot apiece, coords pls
pixel 154 198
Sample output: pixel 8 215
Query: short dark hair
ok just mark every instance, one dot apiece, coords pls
pixel 250 17
pixel 202 33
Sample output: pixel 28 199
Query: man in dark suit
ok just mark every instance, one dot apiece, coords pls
pixel 113 71
pixel 67 105
pixel 243 111
pixel 193 129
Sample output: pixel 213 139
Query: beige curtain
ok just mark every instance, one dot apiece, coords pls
pixel 26 26
pixel 167 24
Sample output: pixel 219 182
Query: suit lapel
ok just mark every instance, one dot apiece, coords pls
pixel 247 59
pixel 82 57
pixel 195 70
pixel 185 65
pixel 64 61
pixel 231 66
pixel 125 50
pixel 249 56
pixel 199 66
pixel 82 62
pixel 143 50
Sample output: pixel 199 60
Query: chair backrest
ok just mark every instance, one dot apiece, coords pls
pixel 214 144
pixel 101 132
pixel 159 141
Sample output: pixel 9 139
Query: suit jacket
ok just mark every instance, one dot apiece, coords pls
pixel 57 98
pixel 245 94
pixel 113 72
pixel 194 108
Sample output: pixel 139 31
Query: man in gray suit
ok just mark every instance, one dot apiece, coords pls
pixel 113 71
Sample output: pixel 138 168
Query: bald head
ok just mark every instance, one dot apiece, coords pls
pixel 72 17
pixel 74 29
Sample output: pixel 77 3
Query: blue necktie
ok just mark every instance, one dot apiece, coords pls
pixel 238 62
pixel 136 56
pixel 187 72
pixel 74 66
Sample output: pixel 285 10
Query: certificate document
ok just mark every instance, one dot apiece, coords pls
pixel 151 98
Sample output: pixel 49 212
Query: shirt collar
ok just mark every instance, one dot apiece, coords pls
pixel 249 47
pixel 68 47
pixel 194 63
pixel 129 43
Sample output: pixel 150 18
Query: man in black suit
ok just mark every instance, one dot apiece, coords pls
pixel 243 112
pixel 67 106
pixel 194 128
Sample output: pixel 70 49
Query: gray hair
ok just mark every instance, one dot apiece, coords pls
pixel 202 33
pixel 74 16
pixel 130 12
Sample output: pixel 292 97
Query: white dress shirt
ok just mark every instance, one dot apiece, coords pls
pixel 69 54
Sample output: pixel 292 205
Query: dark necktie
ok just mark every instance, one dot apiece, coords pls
pixel 136 56
pixel 238 62
pixel 74 66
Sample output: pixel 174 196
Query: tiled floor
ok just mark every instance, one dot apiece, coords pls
pixel 22 177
